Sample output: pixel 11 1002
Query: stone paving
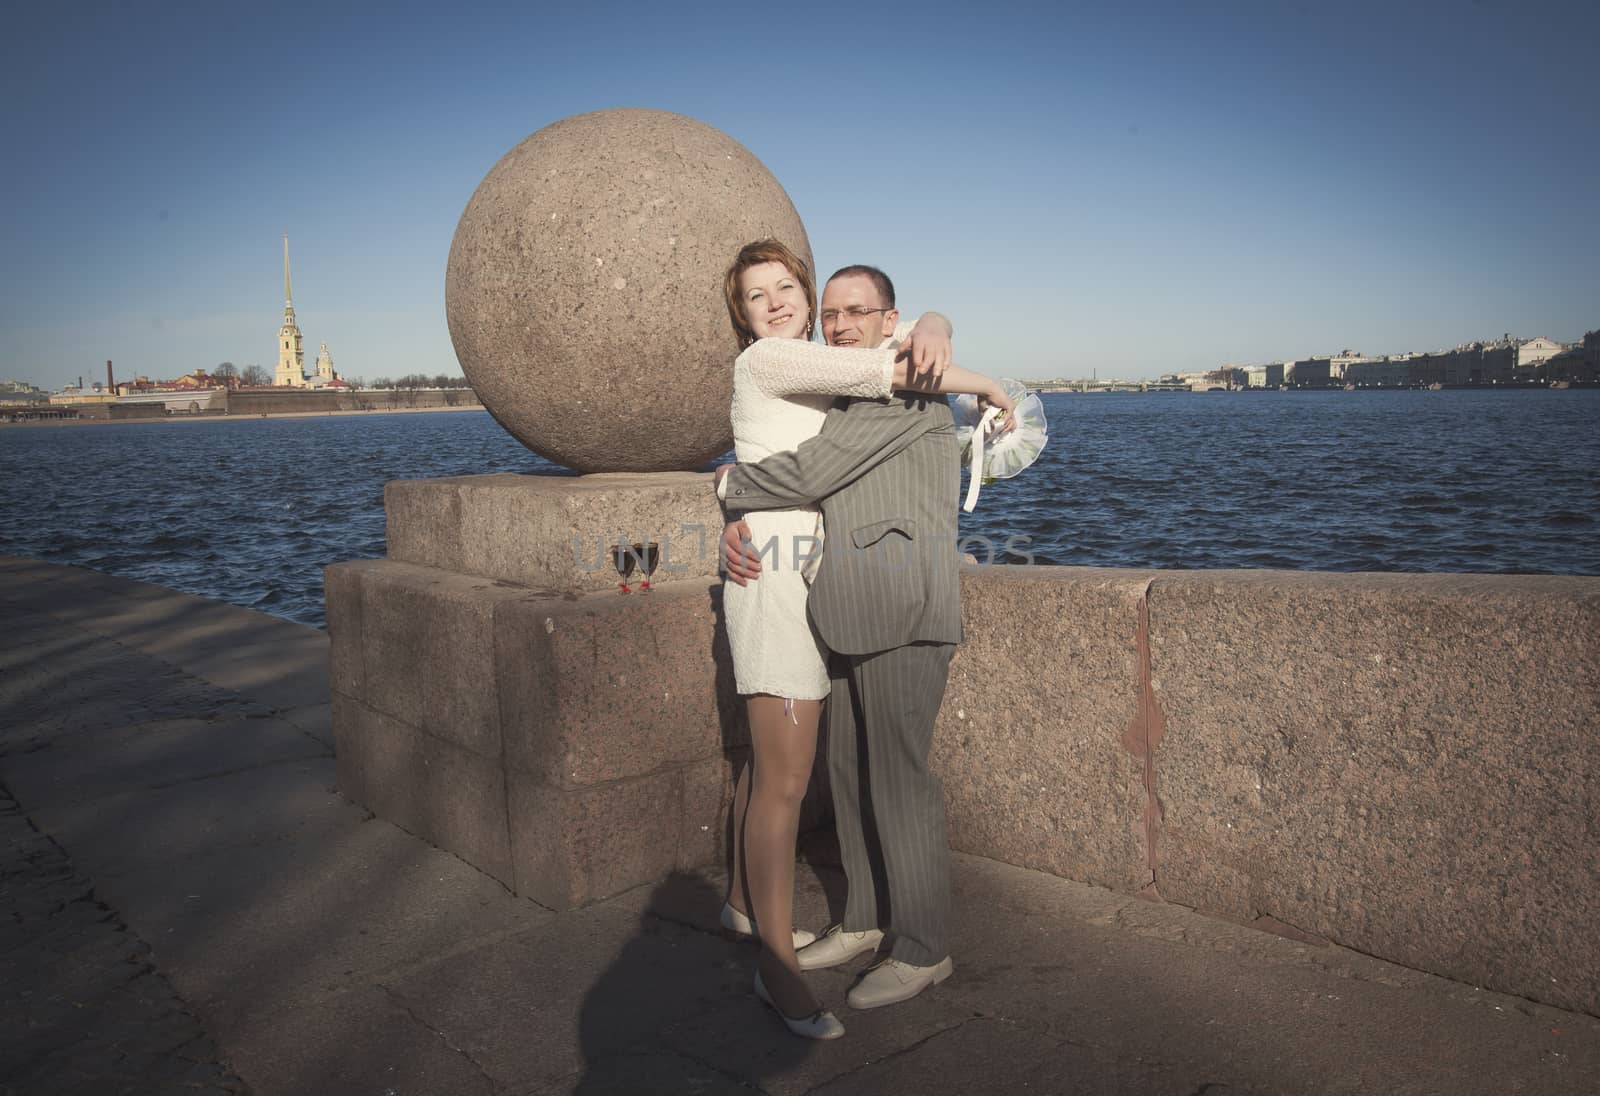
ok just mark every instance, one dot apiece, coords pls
pixel 95 1015
pixel 86 1009
pixel 189 905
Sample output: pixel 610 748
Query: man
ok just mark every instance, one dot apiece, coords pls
pixel 886 602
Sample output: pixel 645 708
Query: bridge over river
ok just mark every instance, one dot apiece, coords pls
pixel 1091 387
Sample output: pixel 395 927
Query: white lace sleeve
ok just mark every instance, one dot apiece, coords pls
pixel 792 367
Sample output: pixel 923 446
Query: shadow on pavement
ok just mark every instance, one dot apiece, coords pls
pixel 684 1056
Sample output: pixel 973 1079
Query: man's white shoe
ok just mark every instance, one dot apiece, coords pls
pixel 837 946
pixel 890 981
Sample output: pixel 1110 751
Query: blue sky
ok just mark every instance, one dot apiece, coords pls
pixel 1128 189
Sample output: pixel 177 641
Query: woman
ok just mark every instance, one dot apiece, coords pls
pixel 783 385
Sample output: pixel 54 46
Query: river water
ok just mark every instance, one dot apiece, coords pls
pixel 249 511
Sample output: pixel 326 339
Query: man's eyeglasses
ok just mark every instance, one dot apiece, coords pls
pixel 855 312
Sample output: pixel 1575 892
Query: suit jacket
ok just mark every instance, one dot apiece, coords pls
pixel 887 476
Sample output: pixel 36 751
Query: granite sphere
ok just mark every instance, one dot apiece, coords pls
pixel 584 287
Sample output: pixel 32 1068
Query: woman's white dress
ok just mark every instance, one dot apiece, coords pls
pixel 782 389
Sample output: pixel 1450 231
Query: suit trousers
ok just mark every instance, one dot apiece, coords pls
pixel 888 806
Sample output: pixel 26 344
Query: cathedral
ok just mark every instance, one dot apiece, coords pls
pixel 291 355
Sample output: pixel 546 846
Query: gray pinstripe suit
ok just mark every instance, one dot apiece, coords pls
pixel 887 602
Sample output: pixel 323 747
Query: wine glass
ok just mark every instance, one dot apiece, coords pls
pixel 623 557
pixel 649 557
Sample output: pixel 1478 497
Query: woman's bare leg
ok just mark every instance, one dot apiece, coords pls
pixel 782 752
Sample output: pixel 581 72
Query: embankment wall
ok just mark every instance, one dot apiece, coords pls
pixel 121 413
pixel 1401 764
pixel 287 403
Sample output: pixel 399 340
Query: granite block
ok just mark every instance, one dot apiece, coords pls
pixel 573 846
pixel 422 522
pixel 341 585
pixel 1403 764
pixel 708 788
pixel 350 748
pixel 555 533
pixel 429 786
pixel 428 640
pixel 1031 740
pixel 612 686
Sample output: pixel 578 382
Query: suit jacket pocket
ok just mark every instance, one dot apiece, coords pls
pixel 865 536
pixel 875 589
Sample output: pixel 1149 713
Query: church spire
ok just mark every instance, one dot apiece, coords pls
pixel 291 372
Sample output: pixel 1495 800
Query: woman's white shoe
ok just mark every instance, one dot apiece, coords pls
pixel 821 1024
pixel 739 923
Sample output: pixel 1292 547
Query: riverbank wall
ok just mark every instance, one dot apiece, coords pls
pixel 269 404
pixel 315 402
pixel 1400 764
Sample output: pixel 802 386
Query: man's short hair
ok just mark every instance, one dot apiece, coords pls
pixel 878 278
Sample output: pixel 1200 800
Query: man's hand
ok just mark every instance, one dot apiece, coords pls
pixel 999 397
pixel 739 559
pixel 927 349
pixel 718 476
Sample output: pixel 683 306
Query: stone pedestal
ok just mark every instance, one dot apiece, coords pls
pixel 554 533
pixel 497 694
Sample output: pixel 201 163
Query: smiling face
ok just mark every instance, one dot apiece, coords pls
pixel 775 305
pixel 855 291
pixel 759 289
